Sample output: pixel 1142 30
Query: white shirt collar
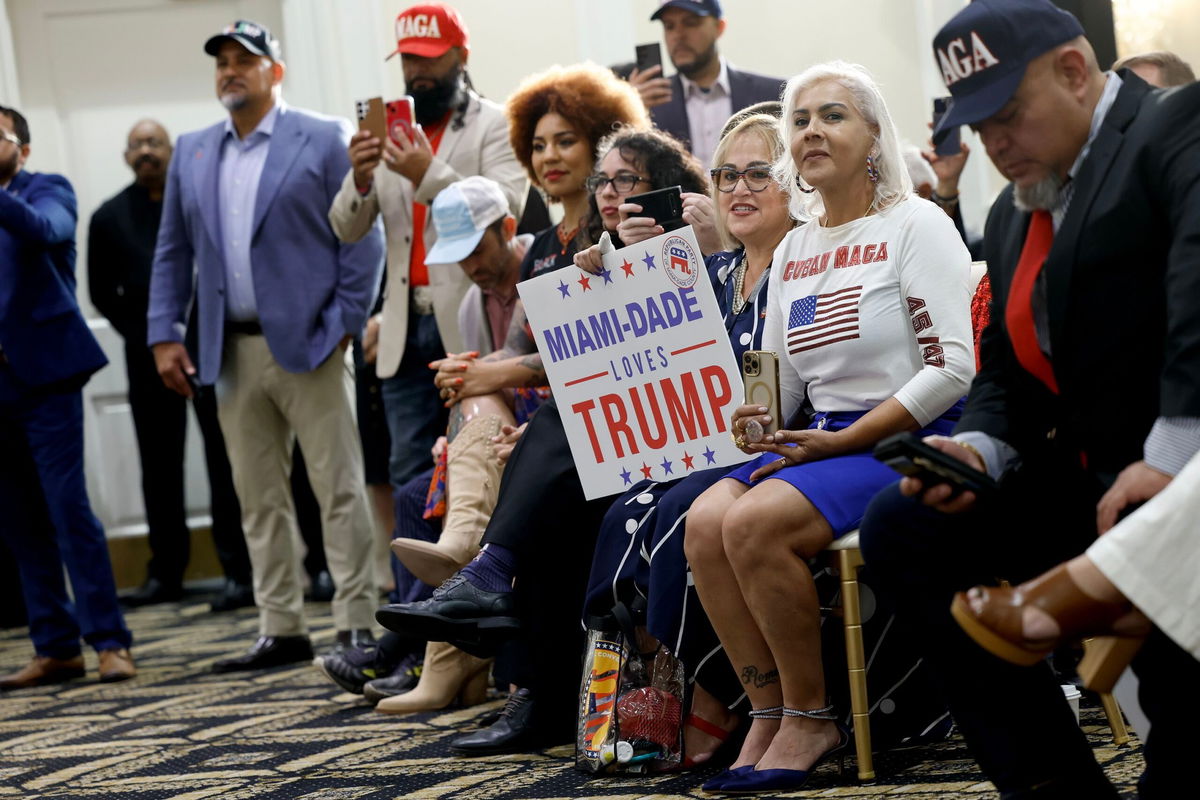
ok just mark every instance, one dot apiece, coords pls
pixel 691 88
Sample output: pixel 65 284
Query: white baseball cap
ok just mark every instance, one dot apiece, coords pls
pixel 461 213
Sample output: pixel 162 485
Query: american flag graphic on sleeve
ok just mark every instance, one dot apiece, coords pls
pixel 821 319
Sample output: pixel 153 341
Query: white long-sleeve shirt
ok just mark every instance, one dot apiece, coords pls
pixel 876 308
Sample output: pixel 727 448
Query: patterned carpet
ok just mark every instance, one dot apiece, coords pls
pixel 181 733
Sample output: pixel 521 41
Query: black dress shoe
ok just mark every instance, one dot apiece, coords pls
pixel 267 652
pixel 518 730
pixel 151 592
pixel 235 595
pixel 458 610
pixel 322 589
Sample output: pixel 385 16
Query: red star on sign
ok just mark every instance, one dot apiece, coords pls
pixel 585 282
pixel 646 470
pixel 687 460
pixel 628 272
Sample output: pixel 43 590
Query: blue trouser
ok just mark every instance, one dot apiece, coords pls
pixel 415 414
pixel 47 522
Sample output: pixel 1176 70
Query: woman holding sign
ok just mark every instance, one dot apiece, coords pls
pixel 869 314
pixel 751 219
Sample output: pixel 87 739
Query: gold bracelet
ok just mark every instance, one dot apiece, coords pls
pixel 970 448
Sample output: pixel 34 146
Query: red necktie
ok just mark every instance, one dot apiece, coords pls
pixel 1018 315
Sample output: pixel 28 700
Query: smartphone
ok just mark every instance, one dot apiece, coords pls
pixel 910 456
pixel 401 116
pixel 647 56
pixel 952 144
pixel 372 117
pixel 664 206
pixel 760 377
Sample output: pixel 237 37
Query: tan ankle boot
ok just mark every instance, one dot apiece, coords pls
pixel 472 484
pixel 448 673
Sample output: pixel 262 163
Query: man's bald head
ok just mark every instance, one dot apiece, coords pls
pixel 147 152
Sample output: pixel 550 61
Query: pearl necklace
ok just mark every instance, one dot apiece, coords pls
pixel 739 282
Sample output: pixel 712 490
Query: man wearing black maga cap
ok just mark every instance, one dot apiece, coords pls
pixel 244 232
pixel 1087 401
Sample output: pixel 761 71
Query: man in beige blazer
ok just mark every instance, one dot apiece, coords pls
pixel 458 134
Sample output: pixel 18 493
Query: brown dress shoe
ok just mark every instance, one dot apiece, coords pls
pixel 43 670
pixel 116 665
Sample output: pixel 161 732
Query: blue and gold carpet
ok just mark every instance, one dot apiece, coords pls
pixel 179 732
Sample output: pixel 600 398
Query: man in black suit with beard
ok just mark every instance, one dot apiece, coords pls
pixel 1087 402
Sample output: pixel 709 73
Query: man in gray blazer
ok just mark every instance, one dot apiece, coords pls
pixel 694 104
pixel 460 134
pixel 278 299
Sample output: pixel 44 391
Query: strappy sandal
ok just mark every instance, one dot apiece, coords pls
pixel 999 625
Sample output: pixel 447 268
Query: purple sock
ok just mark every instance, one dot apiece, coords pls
pixel 493 569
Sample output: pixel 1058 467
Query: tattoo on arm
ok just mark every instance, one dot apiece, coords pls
pixel 533 362
pixel 752 677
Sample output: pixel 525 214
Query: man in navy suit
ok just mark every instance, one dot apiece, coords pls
pixel 47 354
pixel 705 91
pixel 278 300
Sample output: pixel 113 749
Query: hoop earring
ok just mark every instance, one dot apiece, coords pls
pixel 872 172
pixel 802 188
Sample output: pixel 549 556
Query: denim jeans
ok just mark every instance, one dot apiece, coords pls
pixel 415 416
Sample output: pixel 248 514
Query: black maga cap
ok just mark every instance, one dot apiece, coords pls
pixel 982 53
pixel 250 35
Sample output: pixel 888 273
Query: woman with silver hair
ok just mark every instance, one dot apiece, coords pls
pixel 868 313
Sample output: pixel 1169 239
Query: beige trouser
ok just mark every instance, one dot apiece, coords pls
pixel 261 407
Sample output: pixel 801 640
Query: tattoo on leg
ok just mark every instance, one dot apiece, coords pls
pixel 752 677
pixel 457 420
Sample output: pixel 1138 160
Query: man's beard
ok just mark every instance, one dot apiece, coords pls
pixel 431 104
pixel 11 168
pixel 703 60
pixel 1041 196
pixel 234 101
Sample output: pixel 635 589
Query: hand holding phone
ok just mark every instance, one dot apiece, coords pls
pixel 760 379
pixel 401 116
pixel 664 206
pixel 914 458
pixel 648 77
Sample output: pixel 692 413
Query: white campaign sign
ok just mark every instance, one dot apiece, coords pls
pixel 640 364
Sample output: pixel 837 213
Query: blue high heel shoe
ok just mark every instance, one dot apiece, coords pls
pixel 718 782
pixel 756 781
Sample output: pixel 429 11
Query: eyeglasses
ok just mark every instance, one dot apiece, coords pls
pixel 153 143
pixel 622 183
pixel 726 178
pixel 11 137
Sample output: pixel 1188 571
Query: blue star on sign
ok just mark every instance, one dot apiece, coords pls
pixel 566 290
pixel 606 274
pixel 666 465
pixel 648 260
pixel 625 476
pixel 710 455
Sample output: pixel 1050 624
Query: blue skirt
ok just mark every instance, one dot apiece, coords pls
pixel 840 487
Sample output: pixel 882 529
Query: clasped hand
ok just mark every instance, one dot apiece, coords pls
pixel 457 376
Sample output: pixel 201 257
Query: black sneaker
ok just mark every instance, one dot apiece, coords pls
pixel 403 679
pixel 350 668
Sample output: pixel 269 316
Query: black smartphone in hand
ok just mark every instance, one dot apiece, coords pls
pixel 664 206
pixel 911 457
pixel 647 56
pixel 952 144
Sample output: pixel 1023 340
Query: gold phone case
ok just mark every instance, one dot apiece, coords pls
pixel 760 376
